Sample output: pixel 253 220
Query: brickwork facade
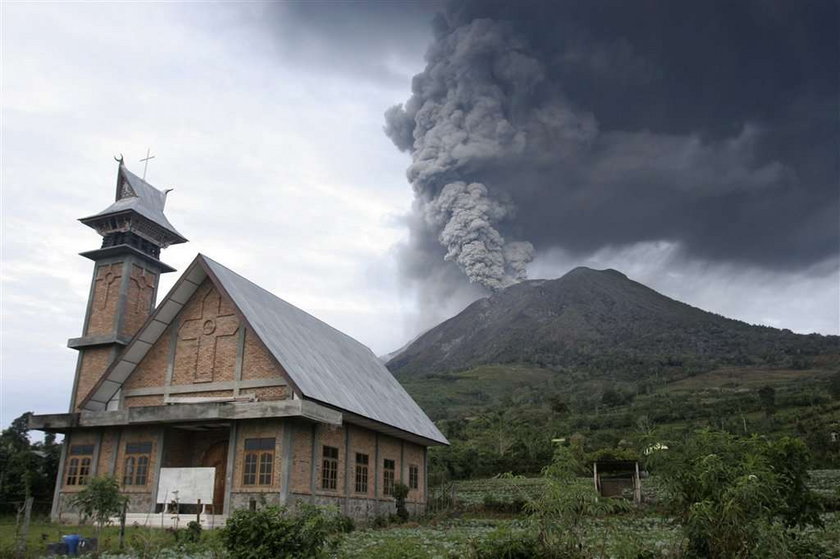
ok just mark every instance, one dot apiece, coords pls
pixel 207 338
pixel 141 289
pixel 105 299
pixel 151 371
pixel 92 363
pixel 257 362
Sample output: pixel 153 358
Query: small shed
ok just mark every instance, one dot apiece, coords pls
pixel 613 477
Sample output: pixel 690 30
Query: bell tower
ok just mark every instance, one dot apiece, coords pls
pixel 126 273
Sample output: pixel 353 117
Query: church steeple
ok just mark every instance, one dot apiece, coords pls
pixel 127 269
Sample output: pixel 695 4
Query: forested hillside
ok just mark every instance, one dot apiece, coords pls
pixel 599 357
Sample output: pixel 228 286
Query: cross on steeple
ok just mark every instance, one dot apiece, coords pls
pixel 145 161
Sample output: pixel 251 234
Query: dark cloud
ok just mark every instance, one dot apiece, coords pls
pixel 583 125
pixel 367 39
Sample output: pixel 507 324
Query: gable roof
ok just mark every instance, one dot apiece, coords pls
pixel 134 193
pixel 322 364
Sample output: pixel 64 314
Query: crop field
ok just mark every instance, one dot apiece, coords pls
pixel 452 538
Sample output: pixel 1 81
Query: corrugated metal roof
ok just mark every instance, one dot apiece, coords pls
pixel 325 364
pixel 322 363
pixel 142 197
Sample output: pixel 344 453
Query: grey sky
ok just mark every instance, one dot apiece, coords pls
pixel 267 119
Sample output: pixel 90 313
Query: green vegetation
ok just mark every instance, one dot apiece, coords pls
pixel 274 532
pixel 738 496
pixel 26 469
pixel 99 500
pixel 510 429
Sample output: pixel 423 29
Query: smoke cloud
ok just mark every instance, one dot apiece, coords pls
pixel 571 126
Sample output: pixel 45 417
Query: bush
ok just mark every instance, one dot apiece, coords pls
pixel 727 490
pixel 276 532
pixel 193 531
pixel 400 493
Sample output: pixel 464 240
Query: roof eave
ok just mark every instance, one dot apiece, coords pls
pixel 171 236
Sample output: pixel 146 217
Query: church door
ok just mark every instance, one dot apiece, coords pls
pixel 216 457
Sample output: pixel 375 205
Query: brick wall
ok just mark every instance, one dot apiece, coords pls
pixel 139 302
pixel 151 371
pixel 106 291
pixel 94 362
pixel 301 458
pixel 140 401
pixel 257 362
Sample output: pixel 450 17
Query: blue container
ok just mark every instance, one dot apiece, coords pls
pixel 72 541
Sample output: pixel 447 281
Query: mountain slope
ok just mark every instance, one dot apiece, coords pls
pixel 599 321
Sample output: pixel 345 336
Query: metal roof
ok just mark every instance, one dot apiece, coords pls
pixel 140 197
pixel 322 363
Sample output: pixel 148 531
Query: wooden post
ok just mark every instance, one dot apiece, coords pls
pixel 23 534
pixel 595 475
pixel 122 523
pixel 198 513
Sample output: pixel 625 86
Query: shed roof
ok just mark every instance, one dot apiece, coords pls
pixel 134 193
pixel 323 364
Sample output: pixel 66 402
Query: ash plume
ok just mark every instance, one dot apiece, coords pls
pixel 580 126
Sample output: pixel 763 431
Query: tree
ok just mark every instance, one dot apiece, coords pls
pixel 26 469
pixel 99 500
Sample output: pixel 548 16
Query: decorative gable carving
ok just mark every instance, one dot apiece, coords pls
pixel 207 339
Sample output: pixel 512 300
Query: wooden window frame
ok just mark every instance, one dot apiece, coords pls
pixel 389 473
pixel 362 465
pixel 258 462
pixel 79 465
pixel 138 456
pixel 329 468
pixel 413 476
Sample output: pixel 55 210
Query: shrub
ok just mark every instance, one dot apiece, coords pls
pixel 276 532
pixel 400 493
pixel 193 531
pixel 560 512
pixel 727 490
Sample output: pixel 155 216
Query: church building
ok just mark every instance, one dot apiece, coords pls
pixel 223 377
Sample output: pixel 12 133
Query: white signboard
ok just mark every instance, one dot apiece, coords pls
pixel 191 484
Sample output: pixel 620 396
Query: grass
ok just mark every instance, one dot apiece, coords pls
pixel 140 540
